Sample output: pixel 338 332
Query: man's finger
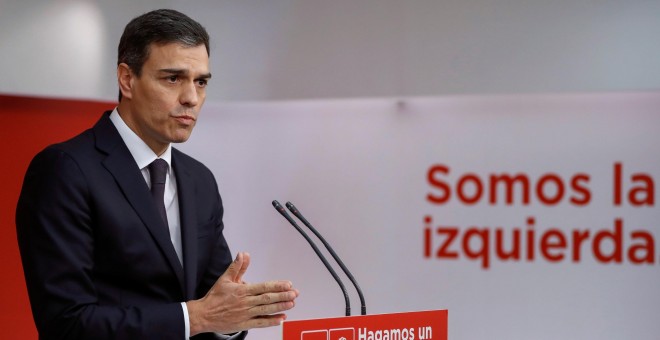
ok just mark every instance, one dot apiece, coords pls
pixel 269 287
pixel 268 298
pixel 272 308
pixel 255 322
pixel 266 320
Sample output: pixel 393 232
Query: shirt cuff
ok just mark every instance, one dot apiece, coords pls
pixel 186 320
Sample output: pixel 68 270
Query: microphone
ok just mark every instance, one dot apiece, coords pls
pixel 297 213
pixel 281 210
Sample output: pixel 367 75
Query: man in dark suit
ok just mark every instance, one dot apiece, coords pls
pixel 121 236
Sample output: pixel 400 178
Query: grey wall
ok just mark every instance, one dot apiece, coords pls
pixel 294 49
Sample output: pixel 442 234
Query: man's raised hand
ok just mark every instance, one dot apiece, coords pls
pixel 232 305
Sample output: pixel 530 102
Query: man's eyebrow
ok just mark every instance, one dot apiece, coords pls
pixel 178 71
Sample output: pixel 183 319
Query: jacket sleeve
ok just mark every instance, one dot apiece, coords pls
pixel 55 229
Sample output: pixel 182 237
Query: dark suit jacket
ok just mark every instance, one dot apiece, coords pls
pixel 97 257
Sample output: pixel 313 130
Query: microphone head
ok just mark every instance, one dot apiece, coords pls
pixel 291 207
pixel 277 205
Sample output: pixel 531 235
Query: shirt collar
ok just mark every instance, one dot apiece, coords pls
pixel 140 151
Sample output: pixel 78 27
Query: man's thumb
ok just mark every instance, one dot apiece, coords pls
pixel 236 269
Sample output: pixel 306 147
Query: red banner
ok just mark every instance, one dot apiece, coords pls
pixel 397 326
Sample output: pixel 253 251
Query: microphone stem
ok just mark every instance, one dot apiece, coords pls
pixel 295 211
pixel 281 210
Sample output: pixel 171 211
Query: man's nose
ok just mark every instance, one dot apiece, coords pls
pixel 189 95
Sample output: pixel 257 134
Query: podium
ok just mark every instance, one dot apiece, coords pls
pixel 421 325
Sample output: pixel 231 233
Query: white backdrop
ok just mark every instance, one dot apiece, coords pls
pixel 358 170
pixel 299 49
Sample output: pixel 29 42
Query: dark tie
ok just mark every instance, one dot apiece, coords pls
pixel 158 172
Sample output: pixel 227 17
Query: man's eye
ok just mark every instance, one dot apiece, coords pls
pixel 202 83
pixel 172 79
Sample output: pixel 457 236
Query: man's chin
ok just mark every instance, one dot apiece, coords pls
pixel 181 136
pixel 179 140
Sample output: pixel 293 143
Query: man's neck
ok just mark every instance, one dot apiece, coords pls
pixel 127 115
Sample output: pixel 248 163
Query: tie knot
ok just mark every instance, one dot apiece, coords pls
pixel 158 171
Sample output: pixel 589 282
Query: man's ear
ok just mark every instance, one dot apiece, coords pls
pixel 125 79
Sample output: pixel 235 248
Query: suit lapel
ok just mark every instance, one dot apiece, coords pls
pixel 186 193
pixel 121 165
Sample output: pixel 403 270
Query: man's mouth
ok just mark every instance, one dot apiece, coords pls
pixel 185 119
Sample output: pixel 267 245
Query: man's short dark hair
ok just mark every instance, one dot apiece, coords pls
pixel 162 26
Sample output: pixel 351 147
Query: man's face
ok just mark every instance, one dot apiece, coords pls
pixel 164 101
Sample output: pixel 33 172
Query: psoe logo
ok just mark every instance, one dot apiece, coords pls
pixel 342 334
pixel 329 334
